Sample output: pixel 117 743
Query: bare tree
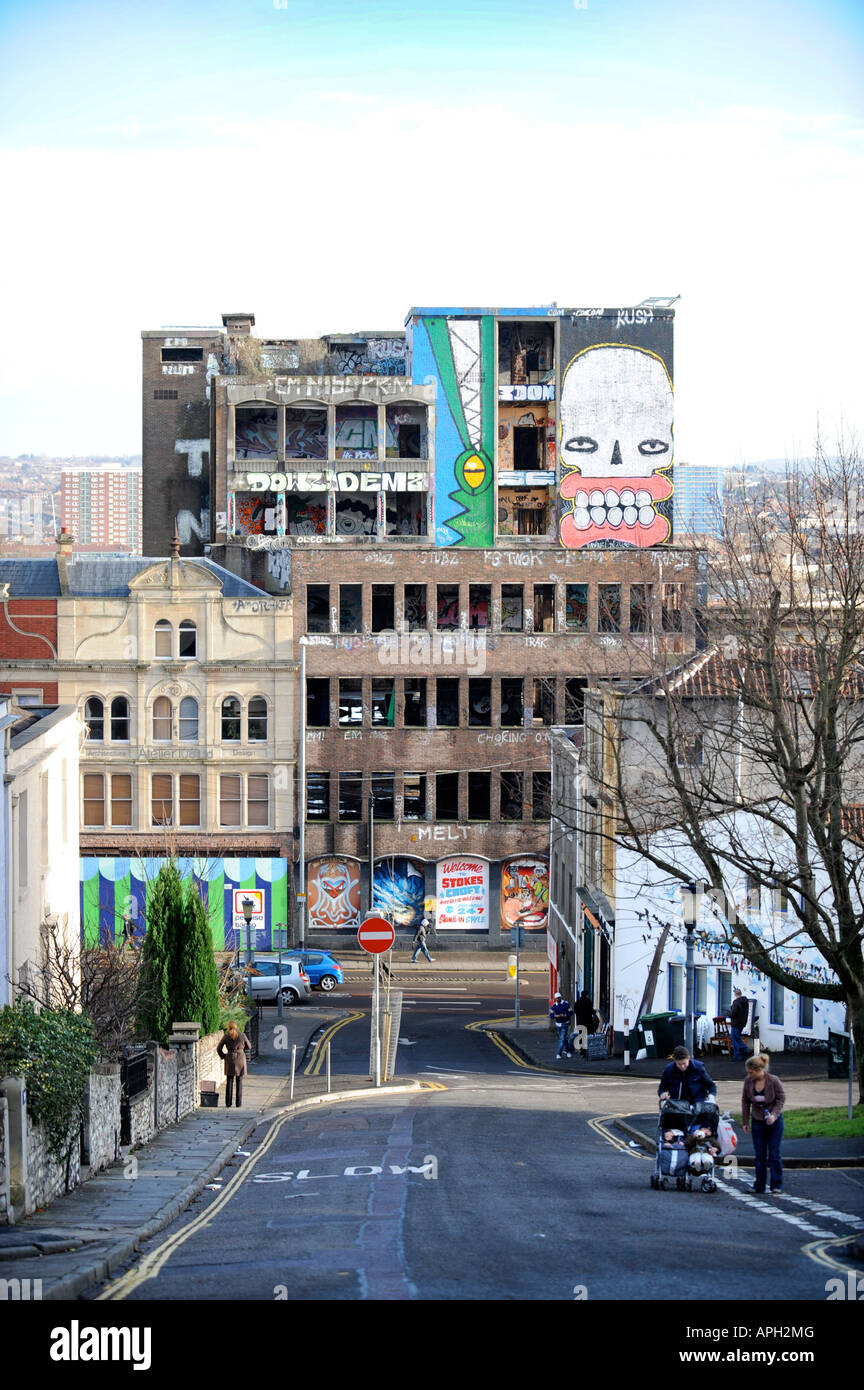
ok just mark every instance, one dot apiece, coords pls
pixel 768 720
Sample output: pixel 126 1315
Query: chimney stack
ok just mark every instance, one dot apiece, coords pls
pixel 238 325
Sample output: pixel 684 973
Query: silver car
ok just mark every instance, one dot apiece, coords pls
pixel 264 982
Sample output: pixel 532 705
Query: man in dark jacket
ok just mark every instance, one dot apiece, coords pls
pixel 737 1023
pixel 561 1013
pixel 686 1079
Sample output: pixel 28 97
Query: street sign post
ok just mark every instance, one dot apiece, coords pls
pixel 376 935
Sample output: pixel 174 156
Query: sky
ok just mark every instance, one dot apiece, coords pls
pixel 328 164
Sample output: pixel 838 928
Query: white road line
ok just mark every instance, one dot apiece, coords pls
pixel 822 1209
pixel 732 1191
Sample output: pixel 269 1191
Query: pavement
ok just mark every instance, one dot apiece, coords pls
pixel 88 1233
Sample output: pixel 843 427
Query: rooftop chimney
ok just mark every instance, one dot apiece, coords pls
pixel 65 555
pixel 239 325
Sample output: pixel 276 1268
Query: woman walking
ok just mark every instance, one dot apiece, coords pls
pixel 233 1047
pixel 762 1101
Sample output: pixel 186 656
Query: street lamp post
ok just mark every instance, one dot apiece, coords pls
pixel 690 916
pixel 248 906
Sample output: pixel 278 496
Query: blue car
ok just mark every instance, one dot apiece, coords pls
pixel 324 972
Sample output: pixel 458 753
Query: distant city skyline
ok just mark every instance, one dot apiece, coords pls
pixel 327 166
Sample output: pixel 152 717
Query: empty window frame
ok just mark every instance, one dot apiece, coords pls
pixel 230 799
pixel 356 515
pixel 544 607
pixel 256 432
pixel 528 447
pixel 414 796
pixel 357 431
pixel 230 719
pixel 94 718
pixel 544 700
pixel 162 719
pixel 512 607
pixel 163 640
pixel 188 720
pixel 318 702
pixel 672 616
pixel 317 607
pixel 479 605
pixel 189 795
pixel 257 799
pixel 351 701
pixel 161 799
pixel 542 795
pixel 406 431
pixel 182 354
pixel 479 795
pixel 512 796
pixel 608 607
pixel 405 513
pixel 446 702
pixel 317 796
pixel 480 702
pixel 778 1005
pixel 383 702
pixel 574 699
pixel 350 608
pixel 640 607
pixel 447 796
pixel 447 611
pixel 415 607
pixel 119 719
pixel 382 789
pixel 512 710
pixel 256 719
pixel 187 639
pixel 305 433
pixel 383 608
pixel 350 796
pixel 576 607
pixel 94 798
pixel 121 799
pixel 414 716
pixel 689 752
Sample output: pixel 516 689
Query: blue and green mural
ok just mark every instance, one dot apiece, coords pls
pixel 399 891
pixel 116 891
pixel 458 354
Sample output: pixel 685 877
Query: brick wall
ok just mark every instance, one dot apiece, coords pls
pixel 38 620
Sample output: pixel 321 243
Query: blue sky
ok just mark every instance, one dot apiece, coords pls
pixel 329 164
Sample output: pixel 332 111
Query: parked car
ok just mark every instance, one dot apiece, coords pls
pixel 324 970
pixel 264 982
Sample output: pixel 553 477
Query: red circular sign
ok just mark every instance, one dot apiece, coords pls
pixel 376 934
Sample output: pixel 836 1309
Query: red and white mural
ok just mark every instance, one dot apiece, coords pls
pixel 333 889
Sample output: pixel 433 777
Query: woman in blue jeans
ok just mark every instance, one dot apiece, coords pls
pixel 762 1101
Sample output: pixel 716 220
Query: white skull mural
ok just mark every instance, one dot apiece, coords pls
pixel 616 445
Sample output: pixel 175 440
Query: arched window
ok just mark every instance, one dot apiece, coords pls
pixel 188 720
pixel 94 717
pixel 163 639
pixel 162 719
pixel 256 719
pixel 120 719
pixel 188 639
pixel 231 720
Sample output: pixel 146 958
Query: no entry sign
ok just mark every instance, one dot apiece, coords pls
pixel 376 935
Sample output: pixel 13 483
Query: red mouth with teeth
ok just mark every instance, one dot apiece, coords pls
pixel 615 508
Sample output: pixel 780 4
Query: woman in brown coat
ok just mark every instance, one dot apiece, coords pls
pixel 233 1047
pixel 762 1100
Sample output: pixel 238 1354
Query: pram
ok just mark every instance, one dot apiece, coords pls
pixel 672 1162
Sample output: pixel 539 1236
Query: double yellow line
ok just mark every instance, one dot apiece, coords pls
pixel 319 1051
pixel 486 1026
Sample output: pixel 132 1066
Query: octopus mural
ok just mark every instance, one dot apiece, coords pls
pixel 333 887
pixel 524 894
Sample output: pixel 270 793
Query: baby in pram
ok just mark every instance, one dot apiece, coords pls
pixel 702 1148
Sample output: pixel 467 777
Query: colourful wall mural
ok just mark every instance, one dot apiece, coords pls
pixel 524 894
pixel 615 438
pixel 399 891
pixel 458 354
pixel 333 890
pixel 116 891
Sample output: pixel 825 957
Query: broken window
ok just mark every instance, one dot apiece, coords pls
pixel 480 702
pixel 317 796
pixel 383 616
pixel 406 513
pixel 255 432
pixel 350 796
pixel 608 607
pixel 479 795
pixel 318 703
pixel 448 607
pixel 350 608
pixel 511 607
pixel 415 703
pixel 544 700
pixel 511 796
pixel 447 796
pixel 544 607
pixel 383 701
pixel 305 514
pixel 318 608
pixel 512 714
pixel 351 701
pixel 527 445
pixel 576 607
pixel 447 702
pixel 381 791
pixel 672 603
pixel 355 515
pixel 542 795
pixel 406 431
pixel 356 432
pixel 255 513
pixel 415 607
pixel 414 796
pixel 574 700
pixel 479 605
pixel 640 607
pixel 523 511
pixel 305 433
pixel 186 354
pixel 526 352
